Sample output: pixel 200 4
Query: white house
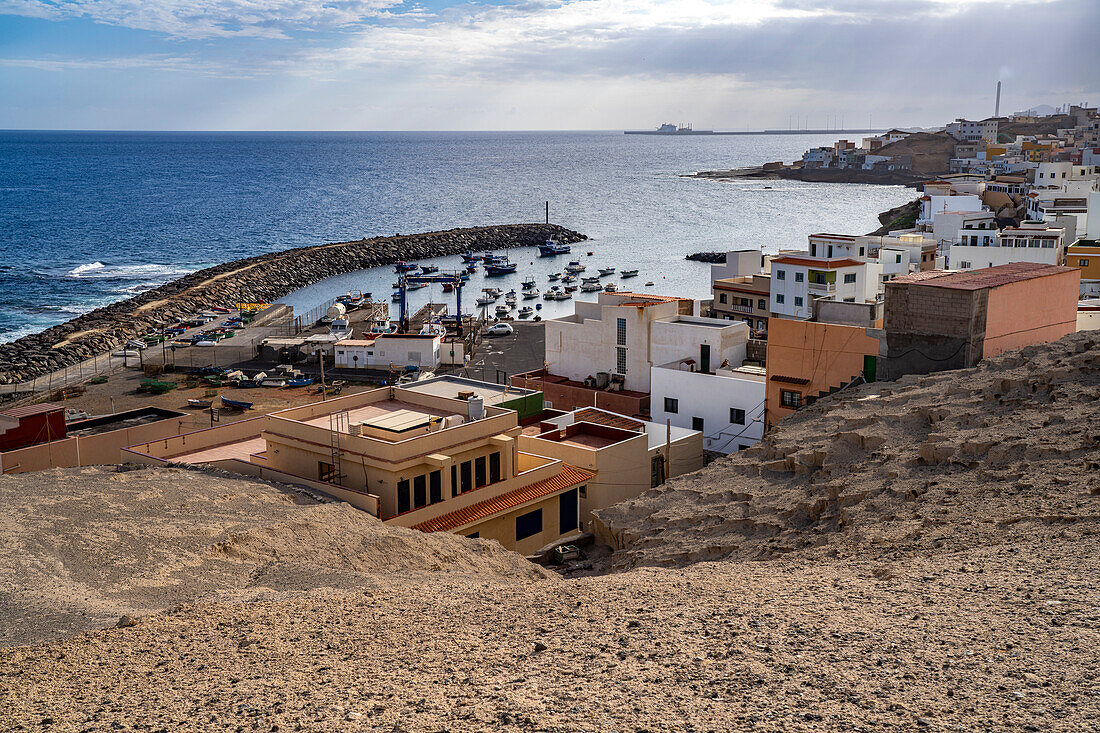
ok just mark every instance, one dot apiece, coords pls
pixel 798 279
pixel 818 158
pixel 931 205
pixel 1029 242
pixel 726 405
pixel 390 351
pixel 625 334
pixel 948 225
pixel 963 129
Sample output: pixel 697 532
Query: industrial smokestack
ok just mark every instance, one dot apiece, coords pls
pixel 997 108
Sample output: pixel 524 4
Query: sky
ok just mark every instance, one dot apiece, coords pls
pixel 536 64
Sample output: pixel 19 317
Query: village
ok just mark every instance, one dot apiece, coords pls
pixel 427 421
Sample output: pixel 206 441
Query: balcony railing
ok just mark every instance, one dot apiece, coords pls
pixel 741 308
pixel 822 288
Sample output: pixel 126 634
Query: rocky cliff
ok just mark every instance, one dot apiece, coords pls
pixel 263 278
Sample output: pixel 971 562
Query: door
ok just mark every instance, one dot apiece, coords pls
pixel 567 511
pixel 870 367
pixel 704 357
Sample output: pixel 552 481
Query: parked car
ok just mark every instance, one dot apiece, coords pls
pixel 499 329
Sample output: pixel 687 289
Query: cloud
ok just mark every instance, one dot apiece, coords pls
pixel 197 19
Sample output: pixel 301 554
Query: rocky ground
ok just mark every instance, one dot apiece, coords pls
pixel 263 278
pixel 917 556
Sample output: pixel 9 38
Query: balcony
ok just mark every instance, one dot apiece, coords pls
pixel 741 308
pixel 821 288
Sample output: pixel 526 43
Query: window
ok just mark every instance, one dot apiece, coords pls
pixel 790 399
pixel 435 487
pixel 404 502
pixel 494 467
pixel 798 301
pixel 454 480
pixel 528 524
pixel 620 360
pixel 964 265
pixel 1082 263
pixel 583 491
pixel 326 471
pixel 721 299
pixel 850 278
pixel 479 471
pixel 567 512
pixel 762 304
pixel 861 251
pixel 737 416
pixel 813 250
pixel 779 298
pixel 620 331
pixel 780 274
pixel 697 424
pixel 473 536
pixel 672 405
pixel 467 482
pixel 799 277
pixel 420 491
pixel 897 259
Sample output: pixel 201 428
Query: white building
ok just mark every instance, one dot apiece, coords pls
pixel 390 351
pixel 625 334
pixel 931 205
pixel 818 158
pixel 799 279
pixel 1030 242
pixel 948 225
pixel 739 263
pixel 963 129
pixel 726 405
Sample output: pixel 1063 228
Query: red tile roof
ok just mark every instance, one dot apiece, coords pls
pixel 569 477
pixel 789 380
pixel 599 417
pixel 817 264
pixel 30 410
pixel 988 277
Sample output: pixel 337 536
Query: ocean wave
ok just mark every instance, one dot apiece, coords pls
pixel 147 272
pixel 82 269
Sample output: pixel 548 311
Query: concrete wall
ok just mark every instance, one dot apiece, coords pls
pixel 930 329
pixel 683 339
pixel 1031 311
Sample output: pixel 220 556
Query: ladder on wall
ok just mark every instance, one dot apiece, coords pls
pixel 337 424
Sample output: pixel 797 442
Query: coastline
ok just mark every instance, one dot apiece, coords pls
pixel 263 278
pixel 814 175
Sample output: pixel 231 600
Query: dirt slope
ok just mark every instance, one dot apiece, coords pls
pixel 931 151
pixel 81 547
pixel 946 461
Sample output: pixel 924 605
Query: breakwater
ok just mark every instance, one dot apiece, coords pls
pixel 262 278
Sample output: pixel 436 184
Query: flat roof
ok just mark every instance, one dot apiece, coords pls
pixel 822 263
pixel 988 277
pixel 30 410
pixel 451 386
pixel 240 449
pixel 392 415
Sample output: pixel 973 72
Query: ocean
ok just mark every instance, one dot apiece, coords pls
pixel 90 218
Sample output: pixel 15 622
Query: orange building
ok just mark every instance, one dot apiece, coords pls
pixel 939 320
pixel 810 359
pixel 1084 254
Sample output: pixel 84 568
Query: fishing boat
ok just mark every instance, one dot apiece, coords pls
pixel 502 310
pixel 428 269
pixel 590 279
pixel 552 293
pixel 500 268
pixel 563 296
pixel 554 276
pixel 485 300
pixel 402 266
pixel 469 256
pixel 471 267
pixel 299 382
pixel 494 292
pixel 628 273
pixel 605 271
pixel 511 297
pixel 528 283
pixel 570 288
pixel 569 278
pixel 198 403
pixel 415 286
pixel 529 294
pixel 611 288
pixel 649 284
pixel 236 404
pixel 525 311
pixel 574 266
pixel 552 248
pixel 591 287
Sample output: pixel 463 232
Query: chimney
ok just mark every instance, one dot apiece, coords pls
pixel 997 108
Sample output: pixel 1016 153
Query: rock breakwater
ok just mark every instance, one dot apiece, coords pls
pixel 262 278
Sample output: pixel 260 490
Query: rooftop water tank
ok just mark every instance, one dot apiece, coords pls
pixel 476 407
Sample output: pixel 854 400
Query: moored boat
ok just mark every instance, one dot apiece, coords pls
pixel 402 266
pixel 553 247
pixel 611 288
pixel 605 271
pixel 525 311
pixel 199 403
pixel 628 273
pixel 574 266
pixel 307 381
pixel 485 300
pixel 554 276
pixel 590 287
pixel 500 268
pixel 236 404
pixel 528 283
pixel 502 310
pixel 428 269
pixel 529 294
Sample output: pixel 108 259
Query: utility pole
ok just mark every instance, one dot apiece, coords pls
pixel 324 392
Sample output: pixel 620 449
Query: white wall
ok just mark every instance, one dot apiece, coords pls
pixel 976 258
pixel 710 397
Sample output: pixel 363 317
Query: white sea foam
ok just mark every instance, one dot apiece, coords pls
pixel 90 267
pixel 156 272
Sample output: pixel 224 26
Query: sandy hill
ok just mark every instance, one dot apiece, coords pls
pixel 914 556
pixel 931 151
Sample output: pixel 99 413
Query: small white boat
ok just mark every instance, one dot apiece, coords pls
pixel 526 311
pixel 511 298
pixel 591 287
pixel 529 294
pixel 569 279
pixel 605 271
pixel 552 293
pixel 502 310
pixel 590 279
pixel 485 300
pixel 415 286
pixel 554 276
pixel 493 293
pixel 628 273
pixel 611 288
pixel 273 383
pixel 649 284
pixel 574 266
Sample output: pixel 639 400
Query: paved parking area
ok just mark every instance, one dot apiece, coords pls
pixel 495 359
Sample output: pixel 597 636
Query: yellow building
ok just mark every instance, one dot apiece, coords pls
pixel 413 458
pixel 1084 254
